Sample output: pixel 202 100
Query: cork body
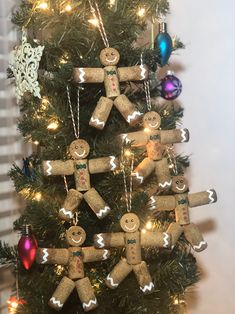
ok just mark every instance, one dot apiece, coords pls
pixel 174 136
pixel 143 170
pixel 88 75
pixel 111 81
pixel 101 113
pixel 163 174
pixel 82 176
pixel 135 73
pixel 103 164
pixel 133 248
pixel 202 198
pixel 143 277
pixel 72 201
pixel 195 238
pixel 154 148
pixel 86 294
pixel 96 203
pixel 57 167
pixel 181 210
pixel 127 109
pixel 52 256
pixel 76 267
pixel 61 293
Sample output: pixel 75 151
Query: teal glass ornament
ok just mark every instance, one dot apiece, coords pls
pixel 163 43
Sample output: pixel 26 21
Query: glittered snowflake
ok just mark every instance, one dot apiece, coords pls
pixel 24 63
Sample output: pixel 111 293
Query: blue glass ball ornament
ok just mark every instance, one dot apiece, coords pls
pixel 163 43
pixel 171 86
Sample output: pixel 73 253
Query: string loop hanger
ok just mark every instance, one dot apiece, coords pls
pixel 97 16
pixel 76 128
pixel 146 87
pixel 127 155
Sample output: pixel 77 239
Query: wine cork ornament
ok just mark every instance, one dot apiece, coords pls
pixel 132 240
pixel 111 76
pixel 180 202
pixel 81 168
pixel 154 140
pixel 74 258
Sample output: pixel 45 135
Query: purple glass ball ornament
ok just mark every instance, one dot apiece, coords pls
pixel 171 87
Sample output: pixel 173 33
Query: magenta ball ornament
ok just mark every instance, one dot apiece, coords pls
pixel 171 86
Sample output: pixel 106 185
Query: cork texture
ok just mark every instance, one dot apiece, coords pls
pixel 101 113
pixel 154 150
pixel 116 239
pixel 163 202
pixel 202 198
pixel 76 266
pixel 72 201
pixel 91 254
pixel 163 174
pixel 111 82
pixel 127 109
pixel 144 169
pixel 61 293
pixel 118 274
pixel 96 203
pixel 134 73
pixel 155 239
pixel 175 230
pixel 194 237
pixel 86 294
pixel 143 276
pixel 82 176
pixel 88 75
pixel 133 248
pixel 57 167
pixel 103 164
pixel 52 256
pixel 182 210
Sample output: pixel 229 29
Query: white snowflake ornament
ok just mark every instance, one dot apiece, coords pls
pixel 24 63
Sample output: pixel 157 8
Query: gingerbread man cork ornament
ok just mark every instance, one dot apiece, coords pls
pixel 154 140
pixel 81 168
pixel 180 202
pixel 74 258
pixel 111 76
pixel 132 240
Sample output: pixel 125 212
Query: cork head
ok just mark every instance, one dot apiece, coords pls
pixel 152 120
pixel 179 184
pixel 79 149
pixel 75 236
pixel 130 222
pixel 109 56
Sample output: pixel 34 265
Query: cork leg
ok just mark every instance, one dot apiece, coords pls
pixel 143 277
pixel 143 170
pixel 194 237
pixel 96 203
pixel 118 274
pixel 101 113
pixel 72 201
pixel 163 174
pixel 61 293
pixel 175 230
pixel 86 294
pixel 127 109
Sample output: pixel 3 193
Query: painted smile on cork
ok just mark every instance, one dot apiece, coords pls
pixel 111 60
pixel 181 189
pixel 81 155
pixel 77 241
pixel 130 229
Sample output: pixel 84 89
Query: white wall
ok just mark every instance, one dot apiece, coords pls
pixel 207 69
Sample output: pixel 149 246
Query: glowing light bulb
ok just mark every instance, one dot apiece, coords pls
pixel 143 231
pixel 147 130
pixel 42 5
pixel 141 12
pixel 128 153
pixel 149 225
pixel 36 143
pixel 44 103
pixel 53 125
pixel 37 196
pixel 94 22
pixel 68 8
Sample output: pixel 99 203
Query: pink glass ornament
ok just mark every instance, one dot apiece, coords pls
pixel 27 247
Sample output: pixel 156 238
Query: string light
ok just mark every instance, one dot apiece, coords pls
pixel 36 143
pixel 37 196
pixel 128 153
pixel 149 225
pixel 59 270
pixel 143 231
pixel 147 130
pixel 53 125
pixel 141 12
pixel 94 22
pixel 43 5
pixel 13 303
pixel 44 103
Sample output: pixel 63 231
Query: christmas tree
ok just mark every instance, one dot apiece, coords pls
pixel 106 196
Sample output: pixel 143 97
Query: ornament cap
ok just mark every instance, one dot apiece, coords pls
pixel 169 72
pixel 162 27
pixel 26 229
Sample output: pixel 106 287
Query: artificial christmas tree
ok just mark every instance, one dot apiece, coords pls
pixel 59 107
